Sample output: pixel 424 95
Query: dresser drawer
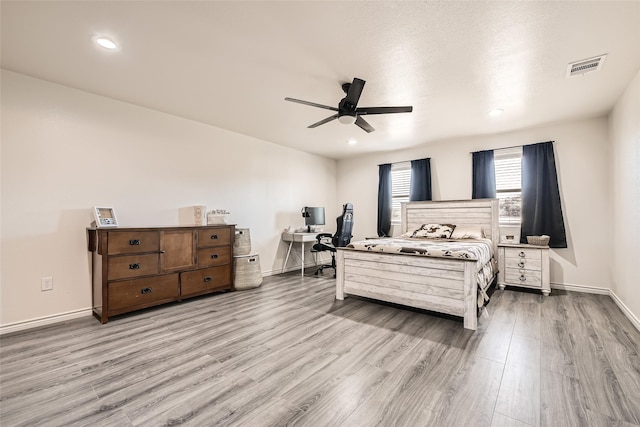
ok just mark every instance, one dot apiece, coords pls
pixel 208 279
pixel 214 237
pixel 211 257
pixel 133 242
pixel 123 267
pixel 143 292
pixel 531 278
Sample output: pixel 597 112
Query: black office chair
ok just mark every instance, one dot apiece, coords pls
pixel 340 239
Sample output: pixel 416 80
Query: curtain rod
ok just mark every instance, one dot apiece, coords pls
pixel 405 161
pixel 506 148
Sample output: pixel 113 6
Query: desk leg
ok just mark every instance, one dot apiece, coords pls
pixel 302 266
pixel 287 258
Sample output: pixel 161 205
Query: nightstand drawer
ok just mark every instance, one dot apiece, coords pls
pixel 521 253
pixel 526 263
pixel 523 277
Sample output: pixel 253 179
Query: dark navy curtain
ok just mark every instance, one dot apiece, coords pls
pixel 384 199
pixel 420 180
pixel 484 175
pixel 541 208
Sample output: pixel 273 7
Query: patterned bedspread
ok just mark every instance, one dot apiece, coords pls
pixel 481 249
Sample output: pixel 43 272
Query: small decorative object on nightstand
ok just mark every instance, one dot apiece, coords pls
pixel 524 265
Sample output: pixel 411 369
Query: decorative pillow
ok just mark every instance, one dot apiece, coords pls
pixel 467 232
pixel 432 231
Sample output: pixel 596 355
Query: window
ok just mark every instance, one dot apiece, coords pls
pixel 508 164
pixel 400 187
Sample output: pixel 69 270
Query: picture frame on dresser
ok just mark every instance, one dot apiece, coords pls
pixel 104 216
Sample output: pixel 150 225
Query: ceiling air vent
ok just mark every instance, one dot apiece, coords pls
pixel 585 66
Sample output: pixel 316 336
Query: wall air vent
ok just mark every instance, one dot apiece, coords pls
pixel 585 66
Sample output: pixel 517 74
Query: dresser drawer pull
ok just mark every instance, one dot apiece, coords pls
pixel 522 278
pixel 214 237
pixel 214 256
pixel 521 254
pixel 135 266
pixel 521 264
pixel 207 279
pixel 145 290
pixel 134 242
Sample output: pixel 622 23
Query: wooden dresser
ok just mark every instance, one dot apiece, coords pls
pixel 524 265
pixel 135 268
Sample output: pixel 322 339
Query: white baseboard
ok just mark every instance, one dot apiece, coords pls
pixel 580 288
pixel 43 321
pixel 632 317
pixel 602 291
pixel 294 268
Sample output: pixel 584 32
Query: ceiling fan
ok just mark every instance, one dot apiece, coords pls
pixel 348 111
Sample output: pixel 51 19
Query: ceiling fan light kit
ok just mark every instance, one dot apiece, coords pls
pixel 348 112
pixel 347 119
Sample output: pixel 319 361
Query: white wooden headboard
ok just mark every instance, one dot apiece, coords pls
pixel 483 212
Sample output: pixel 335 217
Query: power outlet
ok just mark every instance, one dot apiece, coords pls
pixel 46 284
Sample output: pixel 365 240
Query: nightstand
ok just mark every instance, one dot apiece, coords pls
pixel 524 265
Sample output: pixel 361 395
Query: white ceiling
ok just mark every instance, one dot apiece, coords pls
pixel 231 64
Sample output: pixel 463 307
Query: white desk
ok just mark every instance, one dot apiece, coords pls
pixel 301 238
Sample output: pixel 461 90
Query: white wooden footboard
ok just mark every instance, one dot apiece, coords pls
pixel 436 284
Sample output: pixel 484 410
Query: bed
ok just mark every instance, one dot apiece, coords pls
pixel 443 284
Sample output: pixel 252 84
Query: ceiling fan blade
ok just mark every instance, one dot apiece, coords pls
pixel 323 121
pixel 311 104
pixel 383 110
pixel 355 90
pixel 362 123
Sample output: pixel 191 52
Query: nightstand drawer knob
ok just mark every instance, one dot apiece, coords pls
pixel 214 256
pixel 521 254
pixel 522 278
pixel 521 264
pixel 134 242
pixel 207 279
pixel 135 266
pixel 214 237
pixel 145 290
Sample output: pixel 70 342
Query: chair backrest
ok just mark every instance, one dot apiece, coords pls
pixel 344 227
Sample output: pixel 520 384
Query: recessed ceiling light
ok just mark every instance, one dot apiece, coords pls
pixel 352 142
pixel 106 43
pixel 496 113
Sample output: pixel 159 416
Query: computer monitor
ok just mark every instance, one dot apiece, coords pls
pixel 312 216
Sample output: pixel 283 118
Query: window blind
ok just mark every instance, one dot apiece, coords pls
pixel 400 187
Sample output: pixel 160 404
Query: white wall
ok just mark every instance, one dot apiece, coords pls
pixel 625 188
pixel 65 150
pixel 581 150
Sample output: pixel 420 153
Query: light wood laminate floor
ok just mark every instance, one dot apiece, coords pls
pixel 288 353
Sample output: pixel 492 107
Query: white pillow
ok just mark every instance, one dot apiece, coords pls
pixel 467 232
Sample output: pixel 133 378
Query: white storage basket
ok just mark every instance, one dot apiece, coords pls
pixel 247 273
pixel 242 242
